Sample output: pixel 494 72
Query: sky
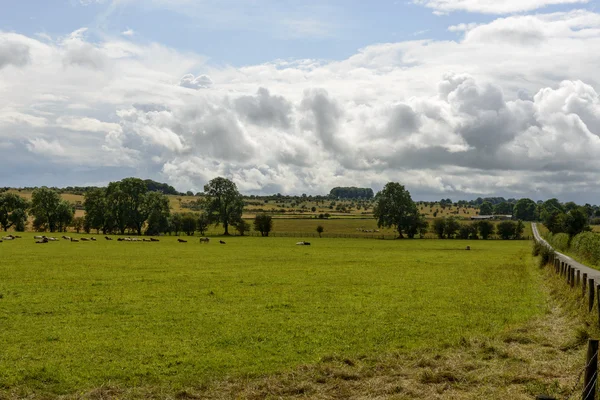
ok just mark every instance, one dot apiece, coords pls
pixel 451 98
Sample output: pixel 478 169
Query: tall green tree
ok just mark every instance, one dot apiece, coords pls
pixel 45 208
pixel 525 210
pixel 485 228
pixel 125 200
pixel 224 203
pixel 202 223
pixel 576 221
pixel 13 211
pixel 156 211
pixel 395 208
pixel 97 215
pixel 486 208
pixel 503 208
pixel 64 215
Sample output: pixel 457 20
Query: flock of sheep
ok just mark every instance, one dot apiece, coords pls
pixel 46 239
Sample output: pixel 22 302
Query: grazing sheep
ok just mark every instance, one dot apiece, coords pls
pixel 74 240
pixel 7 238
pixel 84 239
pixel 44 240
pixel 146 240
pixel 93 239
pixel 468 247
pixel 303 243
pixel 38 237
pixel 204 240
pixel 120 239
pixel 17 237
pixel 107 238
pixel 182 241
pixel 66 237
pixel 154 240
pixel 222 242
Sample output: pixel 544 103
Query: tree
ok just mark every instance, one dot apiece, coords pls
pixel 485 228
pixel 320 229
pixel 504 208
pixel 263 223
pixel 156 211
pixel 525 210
pixel 507 229
pixel 188 224
pixel 241 226
pixel 77 224
pixel 64 215
pixel 439 227
pixel 125 200
pixel 96 211
pixel 452 226
pixel 202 223
pixel 395 208
pixel 13 211
pixel 576 221
pixel 45 208
pixel 467 231
pixel 175 223
pixel 486 208
pixel 417 224
pixel 225 204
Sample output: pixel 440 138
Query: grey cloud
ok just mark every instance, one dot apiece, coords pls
pixel 403 120
pixel 13 53
pixel 323 117
pixel 266 110
pixel 199 82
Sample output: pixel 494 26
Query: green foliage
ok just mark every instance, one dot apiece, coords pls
pixel 225 204
pixel 467 231
pixel 439 227
pixel 202 223
pixel 156 210
pixel 504 208
pixel 525 210
pixel 587 246
pixel 508 230
pixel 163 316
pixel 486 229
pixel 320 229
pixel 241 226
pixel 395 208
pixel 576 221
pixel 188 224
pixel 546 255
pixel 97 214
pixel 452 226
pixel 263 223
pixel 560 241
pixel 77 224
pixel 486 208
pixel 13 211
pixel 45 208
pixel 351 193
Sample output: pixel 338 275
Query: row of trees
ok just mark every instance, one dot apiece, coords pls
pixel 394 208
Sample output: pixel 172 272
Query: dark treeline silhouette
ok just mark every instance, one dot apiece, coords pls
pixel 351 193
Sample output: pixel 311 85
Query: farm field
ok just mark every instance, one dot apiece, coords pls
pixel 169 316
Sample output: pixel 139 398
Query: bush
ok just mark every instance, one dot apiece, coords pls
pixel 560 241
pixel 546 255
pixel 587 246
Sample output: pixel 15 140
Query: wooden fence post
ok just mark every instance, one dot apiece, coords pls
pixel 584 282
pixel 578 278
pixel 591 371
pixel 598 299
pixel 592 293
pixel 572 277
pixel 568 274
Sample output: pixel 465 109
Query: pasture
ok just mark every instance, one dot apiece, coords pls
pixel 169 316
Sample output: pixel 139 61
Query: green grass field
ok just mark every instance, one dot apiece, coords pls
pixel 168 315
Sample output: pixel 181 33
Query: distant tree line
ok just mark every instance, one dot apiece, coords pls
pixel 351 193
